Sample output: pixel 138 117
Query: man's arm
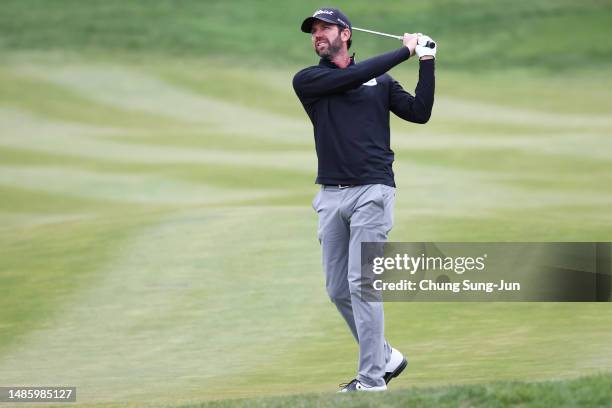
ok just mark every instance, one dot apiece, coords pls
pixel 315 81
pixel 416 108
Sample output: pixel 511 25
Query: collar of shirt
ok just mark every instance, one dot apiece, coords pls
pixel 327 63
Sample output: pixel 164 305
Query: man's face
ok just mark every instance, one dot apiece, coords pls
pixel 326 39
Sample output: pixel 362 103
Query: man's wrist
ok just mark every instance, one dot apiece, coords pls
pixel 426 57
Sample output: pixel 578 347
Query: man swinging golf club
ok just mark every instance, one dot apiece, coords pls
pixel 348 104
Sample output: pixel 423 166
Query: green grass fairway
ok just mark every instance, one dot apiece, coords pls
pixel 157 244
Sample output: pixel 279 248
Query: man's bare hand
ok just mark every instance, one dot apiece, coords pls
pixel 410 41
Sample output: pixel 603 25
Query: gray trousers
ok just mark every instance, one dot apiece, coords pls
pixel 348 217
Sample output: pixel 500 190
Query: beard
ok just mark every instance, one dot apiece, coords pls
pixel 332 49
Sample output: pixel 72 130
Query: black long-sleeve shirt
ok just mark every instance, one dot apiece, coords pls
pixel 349 109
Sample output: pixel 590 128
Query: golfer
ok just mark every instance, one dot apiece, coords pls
pixel 348 104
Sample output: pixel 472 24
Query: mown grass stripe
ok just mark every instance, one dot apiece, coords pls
pixel 54 102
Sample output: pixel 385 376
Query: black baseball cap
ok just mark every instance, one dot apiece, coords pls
pixel 330 15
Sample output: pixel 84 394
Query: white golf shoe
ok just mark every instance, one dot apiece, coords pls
pixel 355 385
pixel 397 363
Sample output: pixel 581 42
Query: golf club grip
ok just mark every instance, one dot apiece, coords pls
pixel 428 44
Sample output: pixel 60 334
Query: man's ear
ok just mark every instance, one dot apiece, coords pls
pixel 345 34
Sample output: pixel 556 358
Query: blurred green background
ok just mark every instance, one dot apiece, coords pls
pixel 156 171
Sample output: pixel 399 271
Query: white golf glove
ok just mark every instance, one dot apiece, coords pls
pixel 421 50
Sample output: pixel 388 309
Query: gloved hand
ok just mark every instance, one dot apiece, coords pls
pixel 421 50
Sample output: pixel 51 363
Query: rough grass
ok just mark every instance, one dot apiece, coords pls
pixel 593 391
pixel 551 35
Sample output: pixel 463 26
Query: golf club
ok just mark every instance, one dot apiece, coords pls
pixel 430 44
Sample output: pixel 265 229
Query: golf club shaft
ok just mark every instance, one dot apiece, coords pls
pixel 430 44
pixel 397 37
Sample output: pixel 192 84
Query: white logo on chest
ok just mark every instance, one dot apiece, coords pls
pixel 371 82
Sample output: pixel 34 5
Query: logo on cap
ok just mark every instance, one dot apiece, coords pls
pixel 323 12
